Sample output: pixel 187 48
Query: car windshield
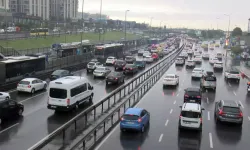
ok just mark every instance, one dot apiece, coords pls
pixel 114 74
pixel 234 72
pixel 57 72
pixel 231 109
pixel 129 57
pixel 58 93
pixel 169 77
pixel 130 117
pixel 100 69
pixel 190 114
pixel 24 82
pixel 210 78
pixel 193 93
pixel 91 63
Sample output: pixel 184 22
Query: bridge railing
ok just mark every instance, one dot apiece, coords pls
pixel 64 135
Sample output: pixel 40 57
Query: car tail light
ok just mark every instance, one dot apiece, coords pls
pixel 124 68
pixel 221 112
pixel 68 101
pixel 131 68
pixel 186 95
pixel 29 86
pixel 180 116
pixel 241 115
pixel 201 120
pixel 198 96
pixel 122 118
pixel 139 120
pixel 116 78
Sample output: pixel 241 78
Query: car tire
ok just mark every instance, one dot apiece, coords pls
pixel 45 86
pixel 7 98
pixel 20 112
pixel 142 129
pixel 87 70
pixel 32 91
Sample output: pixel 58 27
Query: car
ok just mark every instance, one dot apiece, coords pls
pixel 59 74
pixel 211 48
pixel 193 95
pixel 91 66
pixel 198 59
pixel 10 109
pixel 135 119
pixel 219 55
pixel 141 64
pixel 190 52
pixel 205 56
pixel 218 65
pixel 130 68
pixel 130 59
pixel 197 73
pixel 232 74
pixel 196 54
pixel 111 60
pixel 190 64
pixel 180 61
pixel 119 64
pixel 166 51
pixel 208 81
pixel 155 56
pixel 148 59
pixel 31 85
pixel 101 72
pixel 228 111
pixel 4 96
pixel 146 53
pixel 184 54
pixel 191 116
pixel 115 77
pixel 171 79
pixel 213 60
pixel 140 52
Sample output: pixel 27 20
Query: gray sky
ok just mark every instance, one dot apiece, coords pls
pixel 176 13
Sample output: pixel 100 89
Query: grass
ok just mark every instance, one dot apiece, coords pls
pixel 22 44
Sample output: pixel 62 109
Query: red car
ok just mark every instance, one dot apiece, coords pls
pixel 155 56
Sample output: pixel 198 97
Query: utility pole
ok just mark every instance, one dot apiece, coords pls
pixel 151 24
pixel 100 21
pixel 82 21
pixel 125 25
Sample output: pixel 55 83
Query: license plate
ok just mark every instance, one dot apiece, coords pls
pixel 186 122
pixel 53 106
pixel 192 100
pixel 130 123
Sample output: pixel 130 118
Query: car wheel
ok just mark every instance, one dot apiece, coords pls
pixel 7 98
pixel 20 112
pixel 45 86
pixel 33 91
pixel 142 129
pixel 91 98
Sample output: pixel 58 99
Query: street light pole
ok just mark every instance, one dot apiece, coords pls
pixel 160 28
pixel 217 23
pixel 82 21
pixel 100 20
pixel 229 20
pixel 150 24
pixel 125 25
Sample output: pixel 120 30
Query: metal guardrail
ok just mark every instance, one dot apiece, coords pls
pixel 63 135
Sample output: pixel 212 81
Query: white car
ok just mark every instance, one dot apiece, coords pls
pixel 4 96
pixel 205 55
pixel 191 116
pixel 198 59
pixel 146 53
pixel 185 54
pixel 232 74
pixel 196 54
pixel 190 63
pixel 171 79
pixel 190 52
pixel 148 59
pixel 179 61
pixel 31 85
pixel 197 73
pixel 213 60
pixel 111 60
pixel 219 55
pixel 218 65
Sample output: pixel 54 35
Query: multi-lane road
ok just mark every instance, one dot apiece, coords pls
pixel 163 105
pixel 38 121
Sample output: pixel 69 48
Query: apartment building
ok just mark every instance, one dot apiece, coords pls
pixel 4 4
pixel 64 8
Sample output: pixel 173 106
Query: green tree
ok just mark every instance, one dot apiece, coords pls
pixel 237 32
pixel 236 50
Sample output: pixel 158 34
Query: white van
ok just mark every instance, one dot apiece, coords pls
pixel 219 55
pixel 69 92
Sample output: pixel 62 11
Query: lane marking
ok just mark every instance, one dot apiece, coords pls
pixel 166 123
pixel 11 91
pixel 248 118
pixel 179 89
pixel 241 104
pixel 174 102
pixel 177 94
pixel 229 84
pixel 171 111
pixel 9 128
pixel 160 138
pixel 32 97
pixel 234 93
pixel 208 115
pixel 211 140
pixel 207 100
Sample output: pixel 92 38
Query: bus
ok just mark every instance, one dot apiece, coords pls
pixel 106 50
pixel 39 31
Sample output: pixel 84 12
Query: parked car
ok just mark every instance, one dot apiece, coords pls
pixel 115 77
pixel 119 64
pixel 101 72
pixel 31 85
pixel 130 68
pixel 59 74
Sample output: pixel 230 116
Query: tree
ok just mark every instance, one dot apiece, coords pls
pixel 236 50
pixel 237 32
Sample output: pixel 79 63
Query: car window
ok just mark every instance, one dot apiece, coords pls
pixel 193 93
pixel 130 117
pixel 89 86
pixel 24 82
pixel 34 82
pixel 190 114
pixel 231 109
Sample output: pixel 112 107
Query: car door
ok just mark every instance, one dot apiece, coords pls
pixel 35 85
pixel 12 108
pixel 40 83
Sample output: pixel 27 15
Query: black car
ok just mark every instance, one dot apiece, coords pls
pixel 193 95
pixel 130 59
pixel 228 111
pixel 130 68
pixel 140 64
pixel 59 74
pixel 115 77
pixel 120 64
pixel 10 109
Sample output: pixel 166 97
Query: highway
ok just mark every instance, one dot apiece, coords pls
pixel 38 121
pixel 163 105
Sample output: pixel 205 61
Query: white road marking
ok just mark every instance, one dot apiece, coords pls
pixel 9 128
pixel 208 115
pixel 211 140
pixel 160 138
pixel 32 97
pixel 171 111
pixel 166 123
pixel 241 104
pixel 174 102
pixel 234 93
pixel 207 100
pixel 248 118
pixel 229 84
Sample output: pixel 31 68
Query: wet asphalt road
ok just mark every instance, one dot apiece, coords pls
pixel 164 114
pixel 38 121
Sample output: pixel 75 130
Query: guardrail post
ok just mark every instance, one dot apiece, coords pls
pixel 104 126
pixel 112 119
pixel 129 102
pixel 94 112
pixel 86 120
pixel 83 144
pixel 134 97
pixel 124 92
pixel 132 85
pixel 114 98
pixel 63 136
pixel 120 92
pixel 95 135
pixel 128 88
pixel 102 107
pixel 124 107
pixel 108 103
pixel 119 113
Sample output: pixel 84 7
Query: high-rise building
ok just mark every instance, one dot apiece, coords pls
pixel 4 4
pixel 64 8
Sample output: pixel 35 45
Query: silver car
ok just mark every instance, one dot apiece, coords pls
pixel 101 72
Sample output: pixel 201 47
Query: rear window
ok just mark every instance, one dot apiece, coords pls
pixel 139 62
pixel 130 117
pixel 129 57
pixel 234 72
pixel 210 78
pixel 91 63
pixel 193 93
pixel 231 109
pixel 58 93
pixel 197 69
pixel 169 77
pixel 57 72
pixel 24 82
pixel 129 65
pixel 190 114
pixel 110 58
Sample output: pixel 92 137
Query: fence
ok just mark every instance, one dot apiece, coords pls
pixel 64 135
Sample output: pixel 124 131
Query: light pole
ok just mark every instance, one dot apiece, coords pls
pixel 82 21
pixel 217 22
pixel 125 25
pixel 100 20
pixel 160 28
pixel 229 19
pixel 151 24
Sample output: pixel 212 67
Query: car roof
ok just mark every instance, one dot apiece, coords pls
pixel 170 74
pixel 229 103
pixel 111 57
pixel 191 107
pixel 100 67
pixel 193 89
pixel 197 68
pixel 29 79
pixel 133 111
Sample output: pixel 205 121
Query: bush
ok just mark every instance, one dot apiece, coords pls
pixel 236 50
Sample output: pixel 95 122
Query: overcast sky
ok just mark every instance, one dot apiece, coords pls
pixel 200 14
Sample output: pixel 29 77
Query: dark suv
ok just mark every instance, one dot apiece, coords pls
pixel 228 111
pixel 193 95
pixel 120 64
pixel 10 109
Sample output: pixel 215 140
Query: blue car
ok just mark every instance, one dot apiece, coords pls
pixel 135 119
